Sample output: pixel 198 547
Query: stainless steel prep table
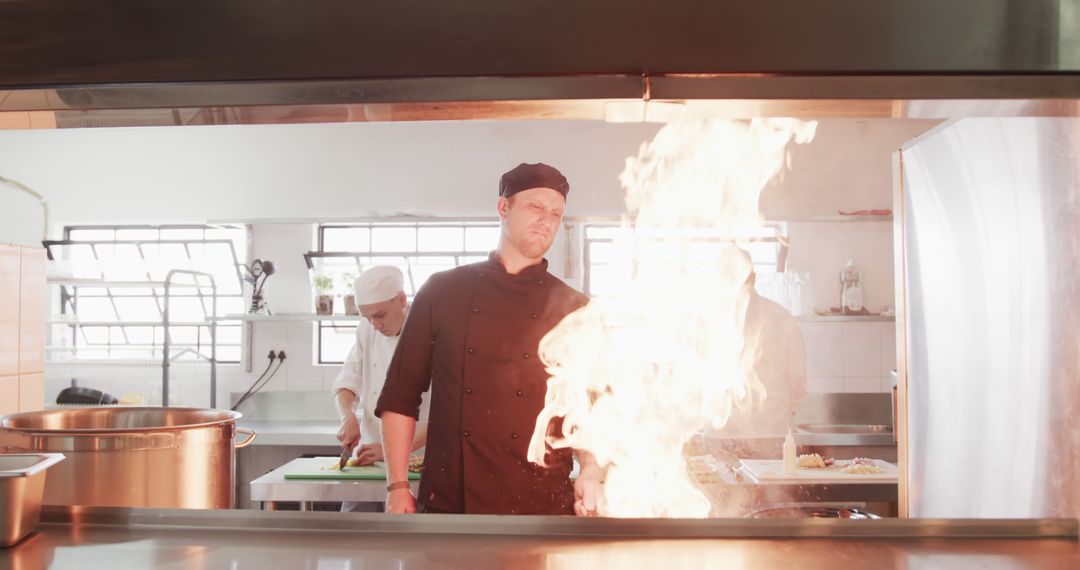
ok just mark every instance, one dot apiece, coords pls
pixel 89 538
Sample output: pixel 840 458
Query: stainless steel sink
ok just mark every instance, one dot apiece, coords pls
pixel 847 428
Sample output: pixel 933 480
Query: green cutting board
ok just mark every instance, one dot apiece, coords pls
pixel 310 468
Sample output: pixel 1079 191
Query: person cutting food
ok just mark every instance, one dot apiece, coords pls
pixel 380 294
pixel 472 336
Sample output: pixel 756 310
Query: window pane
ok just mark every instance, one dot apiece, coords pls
pixel 228 335
pixel 97 309
pixel 603 231
pixel 92 234
pixel 442 239
pixel 182 233
pixel 94 335
pixel 133 234
pixel 140 335
pixel 336 343
pixel 229 354
pixel 346 239
pixel 137 308
pixel 230 306
pixel 393 239
pixel 185 309
pixel 601 252
pixel 184 335
pixel 481 238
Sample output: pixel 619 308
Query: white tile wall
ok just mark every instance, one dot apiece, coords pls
pixel 824 349
pixel 849 356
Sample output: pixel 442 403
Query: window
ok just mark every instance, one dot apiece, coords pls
pixel 603 276
pixel 419 249
pixel 111 295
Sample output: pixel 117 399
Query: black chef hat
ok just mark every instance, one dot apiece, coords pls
pixel 526 176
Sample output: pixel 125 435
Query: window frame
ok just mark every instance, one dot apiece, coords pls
pixel 339 326
pixel 69 295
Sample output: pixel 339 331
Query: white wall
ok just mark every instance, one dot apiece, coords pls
pixel 325 171
pixel 331 172
pixel 21 217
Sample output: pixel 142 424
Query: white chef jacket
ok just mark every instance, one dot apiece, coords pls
pixel 776 354
pixel 364 374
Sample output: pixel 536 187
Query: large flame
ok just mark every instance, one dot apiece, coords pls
pixel 636 374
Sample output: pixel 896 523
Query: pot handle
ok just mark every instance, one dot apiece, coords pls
pixel 250 433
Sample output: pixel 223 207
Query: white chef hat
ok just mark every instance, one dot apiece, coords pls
pixel 378 284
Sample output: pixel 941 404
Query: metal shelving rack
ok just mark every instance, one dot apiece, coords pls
pixel 161 291
pixel 166 358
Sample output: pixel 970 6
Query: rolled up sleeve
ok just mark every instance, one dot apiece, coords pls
pixel 409 375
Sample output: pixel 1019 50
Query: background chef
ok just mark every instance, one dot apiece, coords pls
pixel 380 294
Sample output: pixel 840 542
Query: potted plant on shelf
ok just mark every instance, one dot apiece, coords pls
pixel 348 286
pixel 324 302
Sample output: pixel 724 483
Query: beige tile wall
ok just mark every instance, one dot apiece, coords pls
pixel 22 328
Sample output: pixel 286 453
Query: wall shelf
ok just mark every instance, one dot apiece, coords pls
pixel 105 284
pixel 845 319
pixel 832 218
pixel 281 317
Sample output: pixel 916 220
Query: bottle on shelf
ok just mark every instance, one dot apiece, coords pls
pixel 851 297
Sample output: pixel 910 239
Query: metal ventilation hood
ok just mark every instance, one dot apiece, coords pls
pixel 273 61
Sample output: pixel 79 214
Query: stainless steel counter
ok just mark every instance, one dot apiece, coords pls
pixel 167 539
pixel 293 432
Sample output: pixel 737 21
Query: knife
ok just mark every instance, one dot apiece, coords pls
pixel 345 454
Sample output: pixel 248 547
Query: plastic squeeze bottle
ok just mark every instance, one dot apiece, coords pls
pixel 789 453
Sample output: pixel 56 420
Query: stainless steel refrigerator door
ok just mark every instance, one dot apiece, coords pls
pixel 992 245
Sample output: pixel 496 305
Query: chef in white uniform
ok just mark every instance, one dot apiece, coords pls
pixel 775 353
pixel 380 295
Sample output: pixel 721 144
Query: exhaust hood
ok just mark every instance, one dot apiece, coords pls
pixel 253 61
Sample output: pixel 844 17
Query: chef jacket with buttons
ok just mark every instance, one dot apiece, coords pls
pixel 363 374
pixel 472 335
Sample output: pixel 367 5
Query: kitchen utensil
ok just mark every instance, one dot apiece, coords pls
pixel 134 457
pixel 22 484
pixel 346 453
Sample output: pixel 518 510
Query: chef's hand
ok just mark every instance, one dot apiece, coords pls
pixel 369 453
pixel 400 501
pixel 589 491
pixel 349 432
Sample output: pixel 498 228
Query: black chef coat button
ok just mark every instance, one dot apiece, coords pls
pixel 442 468
pixel 534 315
pixel 525 355
pixel 520 393
pixel 482 275
pixel 465 433
pixel 513 436
pixel 471 350
pixel 541 282
pixel 476 309
pixel 468 390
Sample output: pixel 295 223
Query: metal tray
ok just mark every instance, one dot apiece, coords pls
pixel 22 485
